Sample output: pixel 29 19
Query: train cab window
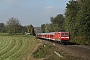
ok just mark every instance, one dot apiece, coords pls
pixel 64 34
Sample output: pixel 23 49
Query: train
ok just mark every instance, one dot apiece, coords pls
pixel 60 37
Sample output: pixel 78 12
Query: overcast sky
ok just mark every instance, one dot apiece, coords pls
pixel 35 12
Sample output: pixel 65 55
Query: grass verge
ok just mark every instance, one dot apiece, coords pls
pixel 47 52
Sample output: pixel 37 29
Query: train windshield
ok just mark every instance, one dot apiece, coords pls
pixel 65 34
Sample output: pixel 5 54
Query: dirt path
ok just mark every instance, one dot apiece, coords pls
pixel 79 51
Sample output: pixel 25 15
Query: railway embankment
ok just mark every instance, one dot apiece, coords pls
pixel 69 52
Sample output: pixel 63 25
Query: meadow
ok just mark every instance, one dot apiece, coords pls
pixel 17 47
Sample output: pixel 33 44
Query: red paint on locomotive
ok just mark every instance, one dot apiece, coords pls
pixel 57 36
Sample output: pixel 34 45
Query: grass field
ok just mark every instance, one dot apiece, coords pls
pixel 17 47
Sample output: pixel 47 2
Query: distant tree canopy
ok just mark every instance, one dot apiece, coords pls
pixel 2 28
pixel 43 28
pixel 30 29
pixel 56 24
pixel 58 20
pixel 24 29
pixel 13 25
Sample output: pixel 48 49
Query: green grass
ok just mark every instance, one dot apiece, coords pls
pixel 16 47
pixel 47 53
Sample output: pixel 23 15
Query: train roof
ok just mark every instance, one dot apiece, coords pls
pixel 46 33
pixel 51 33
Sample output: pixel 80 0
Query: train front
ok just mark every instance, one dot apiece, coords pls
pixel 65 37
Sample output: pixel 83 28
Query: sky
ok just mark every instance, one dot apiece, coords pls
pixel 35 12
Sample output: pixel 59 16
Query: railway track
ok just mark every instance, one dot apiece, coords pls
pixel 79 51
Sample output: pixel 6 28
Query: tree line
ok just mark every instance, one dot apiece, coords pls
pixel 55 25
pixel 13 26
pixel 76 21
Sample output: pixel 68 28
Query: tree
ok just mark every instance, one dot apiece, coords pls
pixel 2 27
pixel 13 25
pixel 24 29
pixel 83 20
pixel 43 28
pixel 55 25
pixel 30 29
pixel 77 20
pixel 72 9
pixel 58 22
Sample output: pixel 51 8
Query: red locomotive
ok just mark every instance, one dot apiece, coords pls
pixel 62 37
